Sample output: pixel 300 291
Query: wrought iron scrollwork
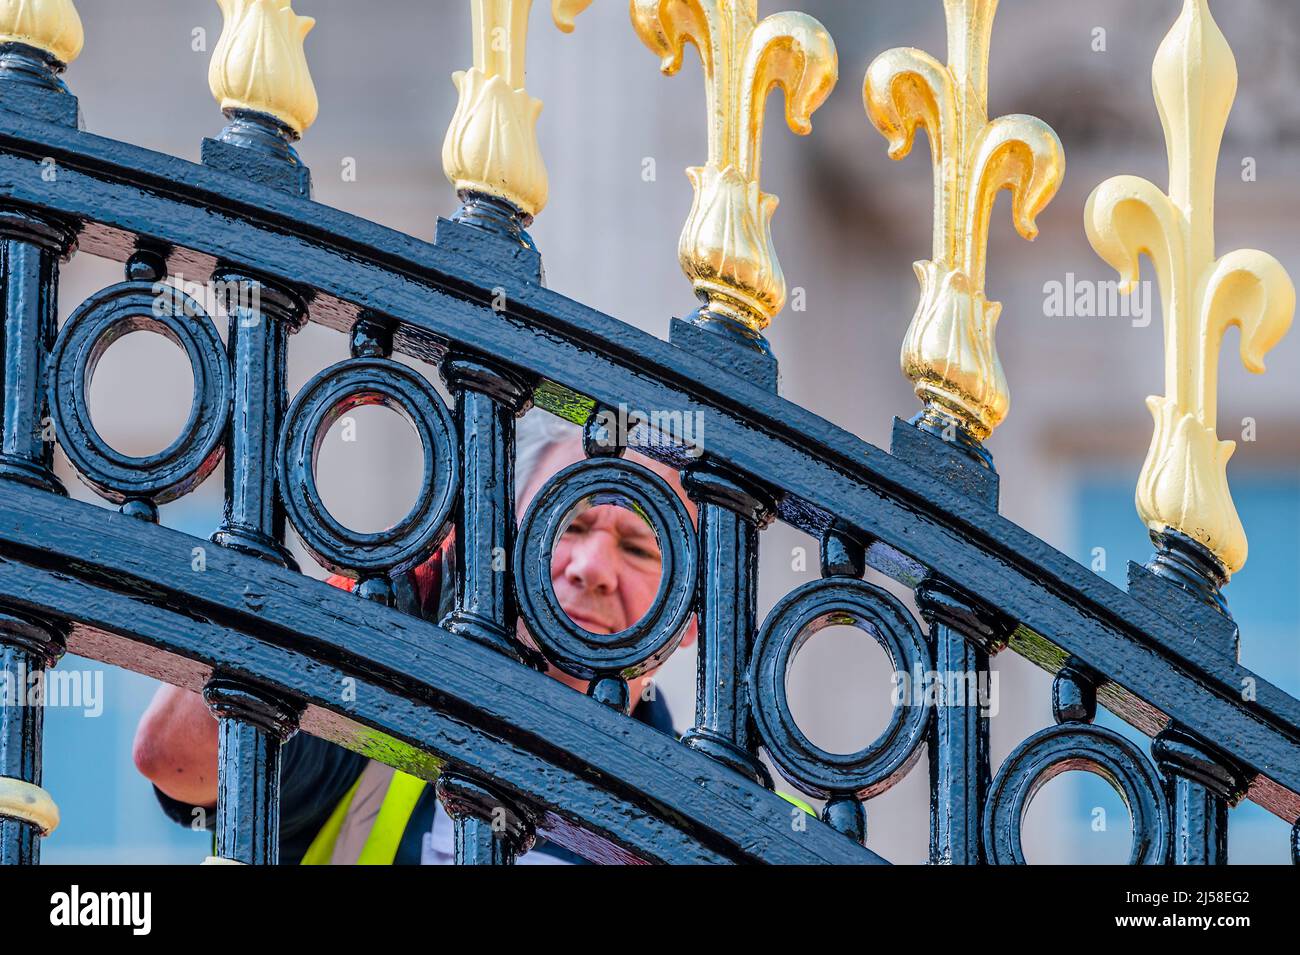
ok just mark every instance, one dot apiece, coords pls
pixel 448 696
pixel 648 641
pixel 99 322
pixel 793 621
pixel 1057 749
pixel 329 395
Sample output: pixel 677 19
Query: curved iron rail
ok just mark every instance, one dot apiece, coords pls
pixel 1153 669
pixel 423 696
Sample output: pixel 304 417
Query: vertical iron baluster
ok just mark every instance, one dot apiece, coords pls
pixel 261 319
pixel 260 78
pixel 253 726
pixel 489 829
pixel 732 510
pixel 256 143
pixel 600 441
pixel 964 632
pixel 959 757
pixel 27 648
pixel 30 249
pixel 371 336
pixel 961 635
pixel 1201 783
pixel 488 399
pixel 843 556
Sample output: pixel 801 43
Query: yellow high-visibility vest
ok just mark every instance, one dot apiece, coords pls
pixel 385 835
pixel 380 847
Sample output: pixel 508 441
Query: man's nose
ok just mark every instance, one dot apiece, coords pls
pixel 593 562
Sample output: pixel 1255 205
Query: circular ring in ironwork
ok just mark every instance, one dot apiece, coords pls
pixel 651 639
pixel 321 402
pixel 1074 746
pixel 97 323
pixel 798 616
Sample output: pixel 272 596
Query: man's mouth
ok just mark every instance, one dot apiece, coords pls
pixel 588 623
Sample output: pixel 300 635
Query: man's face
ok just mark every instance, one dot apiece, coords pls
pixel 606 567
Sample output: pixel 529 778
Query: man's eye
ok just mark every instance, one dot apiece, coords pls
pixel 642 551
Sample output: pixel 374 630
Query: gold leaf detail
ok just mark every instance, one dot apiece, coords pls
pixel 726 247
pixel 949 352
pixel 50 25
pixel 1184 484
pixel 259 63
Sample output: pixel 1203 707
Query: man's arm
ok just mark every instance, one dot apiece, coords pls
pixel 176 746
pixel 176 741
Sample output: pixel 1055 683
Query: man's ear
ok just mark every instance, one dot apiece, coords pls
pixel 692 631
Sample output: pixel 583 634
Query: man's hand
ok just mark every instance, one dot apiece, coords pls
pixel 176 746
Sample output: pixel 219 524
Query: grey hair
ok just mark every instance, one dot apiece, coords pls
pixel 536 433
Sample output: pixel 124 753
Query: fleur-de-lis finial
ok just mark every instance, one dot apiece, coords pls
pixel 50 25
pixel 726 246
pixel 949 352
pixel 491 146
pixel 259 64
pixel 1183 486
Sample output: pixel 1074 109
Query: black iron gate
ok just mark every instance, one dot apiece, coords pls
pixel 464 701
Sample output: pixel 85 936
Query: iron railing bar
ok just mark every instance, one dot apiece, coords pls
pixel 539 738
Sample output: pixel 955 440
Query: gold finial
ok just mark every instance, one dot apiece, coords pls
pixel 259 63
pixel 491 145
pixel 949 352
pixel 49 25
pixel 1184 480
pixel 726 246
pixel 29 803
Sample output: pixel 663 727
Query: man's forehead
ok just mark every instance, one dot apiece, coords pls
pixel 623 517
pixel 569 452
